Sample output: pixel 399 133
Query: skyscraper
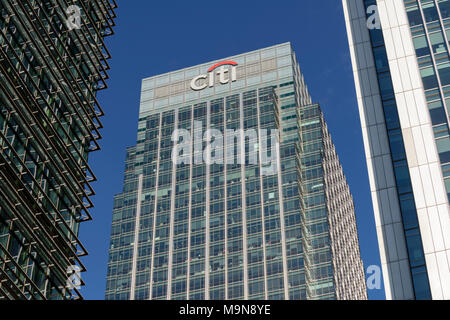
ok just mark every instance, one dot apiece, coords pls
pixel 234 190
pixel 52 63
pixel 400 56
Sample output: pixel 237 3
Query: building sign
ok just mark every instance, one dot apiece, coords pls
pixel 226 75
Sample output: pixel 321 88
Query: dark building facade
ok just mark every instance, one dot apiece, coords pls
pixel 53 60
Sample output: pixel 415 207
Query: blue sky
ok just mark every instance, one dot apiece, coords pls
pixel 154 37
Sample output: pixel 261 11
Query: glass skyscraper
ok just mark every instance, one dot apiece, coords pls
pixel 50 72
pixel 225 229
pixel 400 55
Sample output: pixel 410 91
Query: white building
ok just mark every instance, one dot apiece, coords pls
pixel 400 55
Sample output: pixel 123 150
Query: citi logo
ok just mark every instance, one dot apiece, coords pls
pixel 225 76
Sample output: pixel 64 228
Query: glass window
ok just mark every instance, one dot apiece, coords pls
pixel 381 60
pixel 444 6
pixel 421 46
pixel 415 250
pixel 396 143
pixel 409 213
pixel 443 146
pixel 441 131
pixel 253 80
pixel 270 53
pixel 421 285
pixel 430 12
pixel 285 72
pixel 437 42
pixel 270 76
pixel 162 80
pixel 284 61
pixel 376 35
pixel 428 78
pixel 385 82
pixel 252 58
pixel 283 50
pixel 414 16
pixel 444 73
pixel 402 177
pixel 447 187
pixel 437 113
pixel 391 114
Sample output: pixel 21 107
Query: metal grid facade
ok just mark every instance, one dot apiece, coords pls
pixel 49 123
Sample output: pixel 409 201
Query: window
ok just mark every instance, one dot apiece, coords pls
pixel 408 209
pixel 385 82
pixel 444 73
pixel 376 36
pixel 437 42
pixel 447 187
pixel 444 6
pixel 391 114
pixel 256 287
pixel 415 250
pixel 414 16
pixel 428 78
pixel 402 177
pixel 421 46
pixel 421 285
pixel 443 146
pixel 430 12
pixel 437 113
pixel 381 60
pixel 396 143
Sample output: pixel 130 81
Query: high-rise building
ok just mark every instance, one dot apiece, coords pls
pixel 52 63
pixel 400 55
pixel 234 190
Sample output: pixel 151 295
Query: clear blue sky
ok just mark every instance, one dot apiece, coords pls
pixel 154 37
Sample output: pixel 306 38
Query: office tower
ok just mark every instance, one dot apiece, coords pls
pixel 400 56
pixel 52 63
pixel 211 212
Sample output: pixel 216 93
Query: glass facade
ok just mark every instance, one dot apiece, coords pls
pixel 49 76
pixel 429 22
pixel 227 231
